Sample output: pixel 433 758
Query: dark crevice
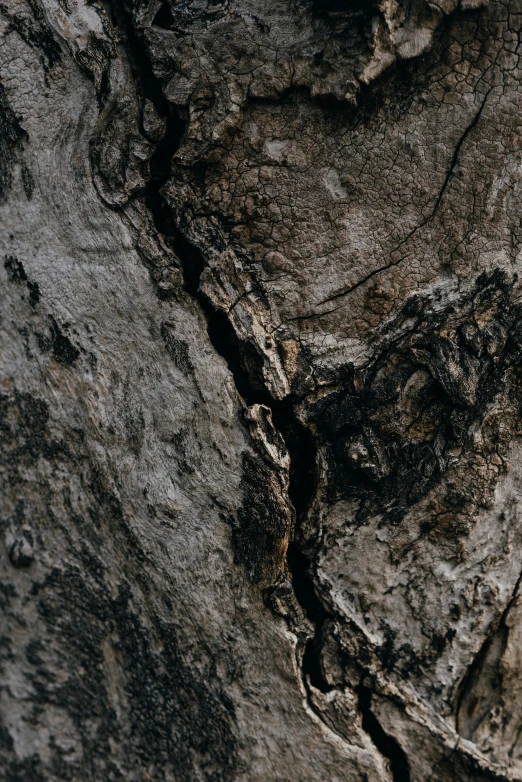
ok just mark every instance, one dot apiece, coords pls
pixel 306 595
pixel 303 480
pixel 193 263
pixel 302 488
pixel 303 585
pixel 300 443
pixel 302 449
pixel 164 18
pixel 310 665
pixel 245 365
pixel 148 83
pixel 149 86
pixel 388 746
pixel 160 170
pixel 242 359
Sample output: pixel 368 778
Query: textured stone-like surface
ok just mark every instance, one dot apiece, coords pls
pixel 260 390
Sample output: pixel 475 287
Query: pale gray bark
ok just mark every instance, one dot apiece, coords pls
pixel 260 390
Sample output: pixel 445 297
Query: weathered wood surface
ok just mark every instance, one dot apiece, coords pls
pixel 260 390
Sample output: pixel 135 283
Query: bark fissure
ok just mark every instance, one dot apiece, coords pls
pixel 386 744
pixel 140 63
pixel 456 153
pixel 298 438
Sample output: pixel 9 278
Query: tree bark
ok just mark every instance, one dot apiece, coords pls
pixel 260 390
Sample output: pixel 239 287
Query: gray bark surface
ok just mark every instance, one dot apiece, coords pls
pixel 260 390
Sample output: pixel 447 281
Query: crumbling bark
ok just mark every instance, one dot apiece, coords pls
pixel 260 390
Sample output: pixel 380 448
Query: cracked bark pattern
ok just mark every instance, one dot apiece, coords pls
pixel 260 390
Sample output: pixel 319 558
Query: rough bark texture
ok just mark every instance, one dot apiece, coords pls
pixel 260 390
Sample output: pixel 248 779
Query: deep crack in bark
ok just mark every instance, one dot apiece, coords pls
pixel 297 436
pixel 386 744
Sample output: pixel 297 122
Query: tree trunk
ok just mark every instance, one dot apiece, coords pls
pixel 260 390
